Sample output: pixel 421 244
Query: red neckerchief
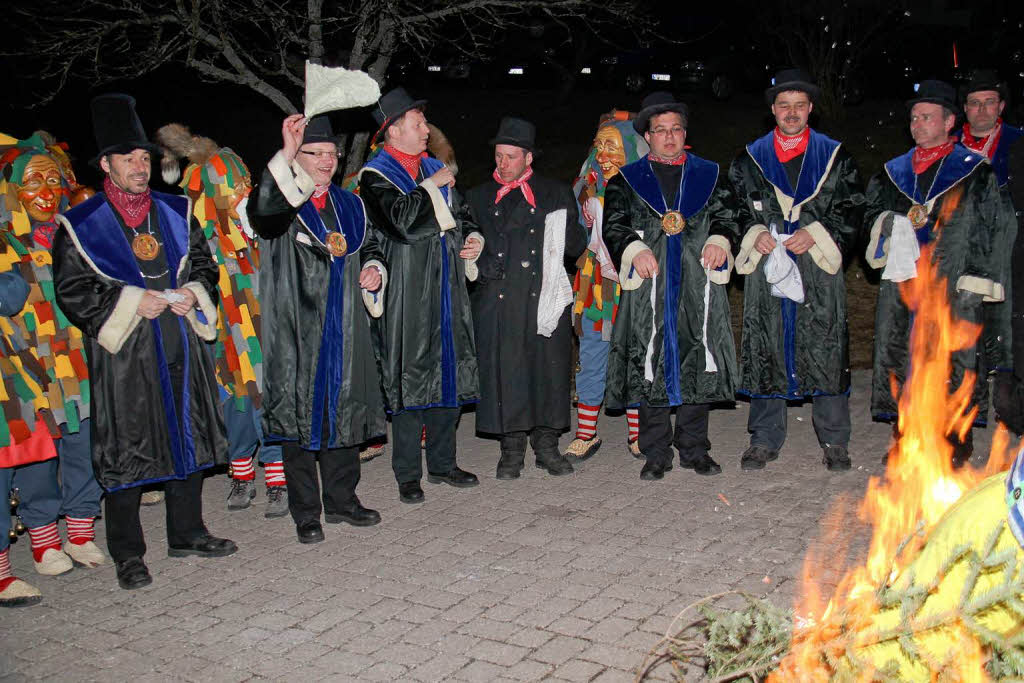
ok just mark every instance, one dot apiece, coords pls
pixel 678 161
pixel 133 207
pixel 520 182
pixel 986 145
pixel 319 197
pixel 410 162
pixel 923 158
pixel 789 147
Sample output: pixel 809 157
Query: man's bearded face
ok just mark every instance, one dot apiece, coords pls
pixel 41 189
pixel 130 172
pixel 791 109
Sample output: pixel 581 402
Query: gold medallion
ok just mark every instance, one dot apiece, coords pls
pixel 673 223
pixel 336 244
pixel 918 215
pixel 145 247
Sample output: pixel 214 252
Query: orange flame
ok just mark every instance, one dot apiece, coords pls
pixel 920 484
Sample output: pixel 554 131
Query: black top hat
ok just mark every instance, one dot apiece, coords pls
pixel 792 79
pixel 117 127
pixel 393 104
pixel 518 132
pixel 985 79
pixel 657 103
pixel 936 92
pixel 319 130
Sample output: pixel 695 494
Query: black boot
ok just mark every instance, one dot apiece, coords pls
pixel 545 446
pixel 513 453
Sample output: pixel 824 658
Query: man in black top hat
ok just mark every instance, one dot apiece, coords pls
pixel 806 202
pixel 424 340
pixel 671 223
pixel 937 178
pixel 132 269
pixel 520 302
pixel 322 276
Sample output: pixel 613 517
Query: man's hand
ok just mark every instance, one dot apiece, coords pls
pixel 187 304
pixel 800 242
pixel 588 219
pixel 151 305
pixel 471 249
pixel 645 264
pixel 292 131
pixel 764 243
pixel 443 177
pixel 714 256
pixel 370 279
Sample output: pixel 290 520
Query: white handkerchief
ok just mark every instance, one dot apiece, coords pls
pixel 904 250
pixel 555 289
pixel 782 272
pixel 604 259
pixel 333 88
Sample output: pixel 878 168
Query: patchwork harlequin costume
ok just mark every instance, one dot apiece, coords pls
pixel 795 343
pixel 43 365
pixel 950 204
pixel 154 409
pixel 218 183
pixel 596 284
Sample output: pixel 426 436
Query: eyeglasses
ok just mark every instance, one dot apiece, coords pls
pixel 322 155
pixel 674 131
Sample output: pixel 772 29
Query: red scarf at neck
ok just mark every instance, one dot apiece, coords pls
pixel 133 207
pixel 923 158
pixel 319 197
pixel 410 162
pixel 979 144
pixel 789 147
pixel 520 182
pixel 678 161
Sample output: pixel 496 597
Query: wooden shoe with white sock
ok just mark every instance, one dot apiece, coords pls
pixel 16 593
pixel 54 562
pixel 87 554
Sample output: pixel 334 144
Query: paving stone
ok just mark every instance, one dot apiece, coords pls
pixel 578 670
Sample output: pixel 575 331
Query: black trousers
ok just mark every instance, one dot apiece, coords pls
pixel 543 439
pixel 184 502
pixel 406 428
pixel 690 435
pixel 339 476
pixel 830 416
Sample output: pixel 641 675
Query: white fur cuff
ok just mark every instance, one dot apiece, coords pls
pixel 472 271
pixel 374 301
pixel 825 253
pixel 208 330
pixel 294 183
pixel 990 291
pixel 721 277
pixel 627 277
pixel 748 258
pixel 123 319
pixel 441 211
pixel 874 239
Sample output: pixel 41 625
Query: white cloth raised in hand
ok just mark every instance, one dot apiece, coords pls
pixel 555 289
pixel 333 88
pixel 904 250
pixel 782 272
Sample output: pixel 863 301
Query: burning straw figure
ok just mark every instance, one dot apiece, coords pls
pixel 219 183
pixel 944 194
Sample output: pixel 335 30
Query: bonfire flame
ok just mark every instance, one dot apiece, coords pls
pixel 920 484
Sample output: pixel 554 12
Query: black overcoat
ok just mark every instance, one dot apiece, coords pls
pixel 524 376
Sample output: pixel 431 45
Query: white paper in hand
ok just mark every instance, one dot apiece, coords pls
pixel 904 250
pixel 170 296
pixel 333 88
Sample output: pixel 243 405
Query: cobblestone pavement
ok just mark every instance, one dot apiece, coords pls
pixel 570 578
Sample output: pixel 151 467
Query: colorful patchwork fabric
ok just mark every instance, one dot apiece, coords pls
pixel 216 190
pixel 42 357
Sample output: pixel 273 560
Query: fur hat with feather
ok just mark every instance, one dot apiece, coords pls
pixel 178 143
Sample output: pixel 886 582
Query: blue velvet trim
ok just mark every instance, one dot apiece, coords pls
pixel 157 480
pixel 448 395
pixel 468 402
pixel 1001 159
pixel 789 341
pixel 396 173
pixel 820 150
pixel 330 367
pixel 954 167
pixel 696 183
pixel 670 340
pixel 790 397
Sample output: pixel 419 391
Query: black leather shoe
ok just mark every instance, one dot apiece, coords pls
pixel 410 492
pixel 356 515
pixel 132 574
pixel 756 457
pixel 701 464
pixel 458 478
pixel 652 471
pixel 204 546
pixel 837 459
pixel 309 531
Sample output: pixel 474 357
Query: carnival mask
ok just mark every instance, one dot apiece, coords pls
pixel 41 188
pixel 611 153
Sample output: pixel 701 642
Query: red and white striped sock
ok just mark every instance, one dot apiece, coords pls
pixel 43 538
pixel 586 421
pixel 633 421
pixel 243 469
pixel 273 472
pixel 5 565
pixel 80 529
